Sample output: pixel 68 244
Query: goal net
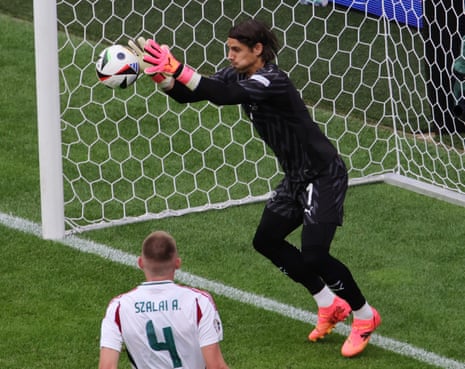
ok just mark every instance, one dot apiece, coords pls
pixel 375 75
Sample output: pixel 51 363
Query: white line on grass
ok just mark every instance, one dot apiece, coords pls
pixel 121 257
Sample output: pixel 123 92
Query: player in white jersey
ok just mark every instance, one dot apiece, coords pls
pixel 162 324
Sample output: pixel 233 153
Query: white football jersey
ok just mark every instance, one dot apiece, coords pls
pixel 163 325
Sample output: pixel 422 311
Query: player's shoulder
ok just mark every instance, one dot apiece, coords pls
pixel 268 74
pixel 122 296
pixel 198 294
pixel 271 69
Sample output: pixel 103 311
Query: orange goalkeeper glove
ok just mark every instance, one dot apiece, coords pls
pixel 137 47
pixel 162 61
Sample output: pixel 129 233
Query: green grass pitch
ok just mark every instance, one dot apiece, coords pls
pixel 405 250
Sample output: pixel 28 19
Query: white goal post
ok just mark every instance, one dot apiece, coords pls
pixel 48 118
pixel 374 74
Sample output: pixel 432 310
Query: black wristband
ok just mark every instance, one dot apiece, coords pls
pixel 178 71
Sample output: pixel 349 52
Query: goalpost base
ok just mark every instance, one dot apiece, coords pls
pixel 415 186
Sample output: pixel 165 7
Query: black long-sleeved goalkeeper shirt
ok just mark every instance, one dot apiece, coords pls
pixel 277 112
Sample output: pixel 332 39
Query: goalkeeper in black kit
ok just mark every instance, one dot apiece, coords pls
pixel 315 182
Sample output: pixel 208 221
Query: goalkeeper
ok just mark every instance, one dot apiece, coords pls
pixel 313 189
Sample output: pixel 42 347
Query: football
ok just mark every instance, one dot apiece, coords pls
pixel 117 67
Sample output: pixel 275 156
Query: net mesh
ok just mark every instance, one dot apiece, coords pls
pixel 367 80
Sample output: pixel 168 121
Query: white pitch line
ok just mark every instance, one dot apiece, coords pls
pixel 265 303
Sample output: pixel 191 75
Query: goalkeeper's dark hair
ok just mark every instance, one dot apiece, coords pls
pixel 253 31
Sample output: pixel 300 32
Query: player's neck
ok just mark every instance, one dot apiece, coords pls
pixel 159 277
pixel 255 67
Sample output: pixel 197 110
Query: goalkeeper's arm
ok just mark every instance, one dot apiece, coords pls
pixel 189 85
pixel 217 92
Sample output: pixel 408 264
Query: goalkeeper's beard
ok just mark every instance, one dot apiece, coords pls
pixel 248 69
pixel 242 70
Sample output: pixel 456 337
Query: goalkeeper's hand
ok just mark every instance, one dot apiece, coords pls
pixel 137 47
pixel 162 61
pixel 164 81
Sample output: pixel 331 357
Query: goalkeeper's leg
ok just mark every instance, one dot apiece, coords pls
pixel 316 240
pixel 270 241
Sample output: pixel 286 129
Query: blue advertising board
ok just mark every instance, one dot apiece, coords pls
pixel 404 11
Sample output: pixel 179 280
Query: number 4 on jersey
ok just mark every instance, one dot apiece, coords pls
pixel 169 344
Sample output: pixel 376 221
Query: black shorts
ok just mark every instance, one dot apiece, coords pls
pixel 317 201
